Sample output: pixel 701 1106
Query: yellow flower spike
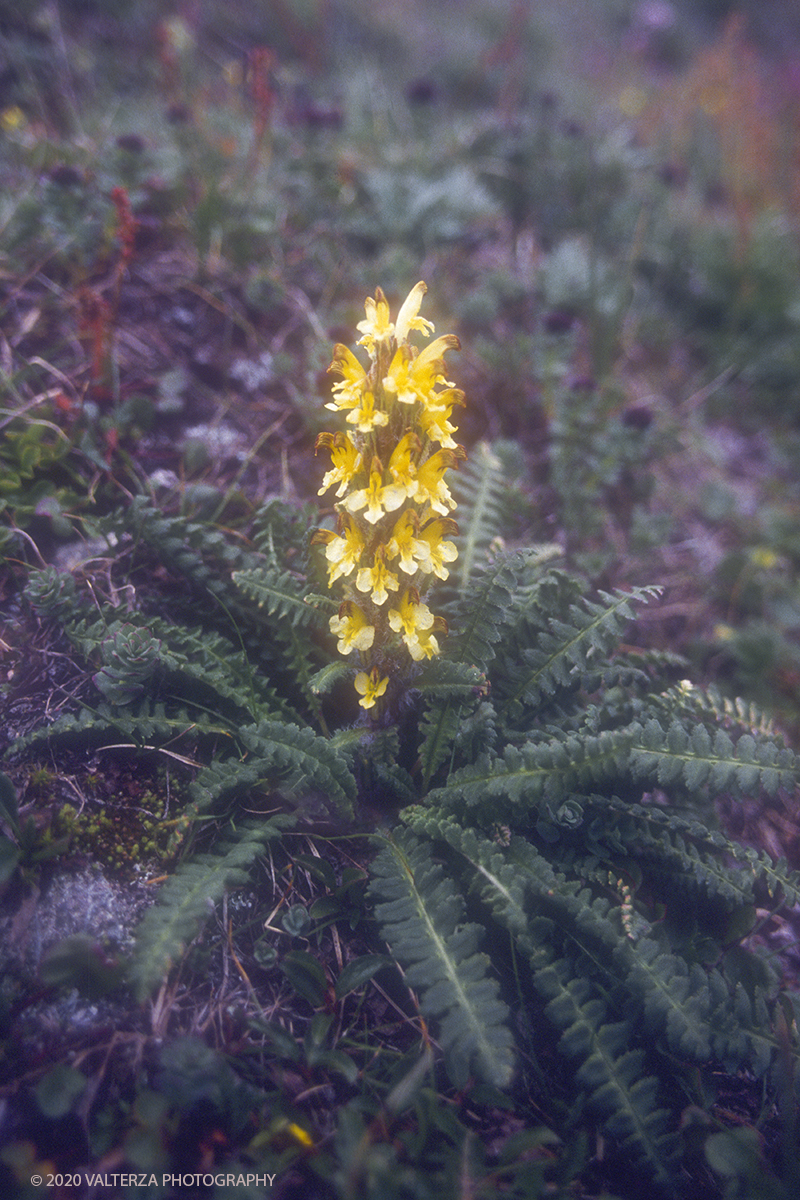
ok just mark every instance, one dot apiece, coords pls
pixel 431 549
pixel 345 458
pixel 378 580
pixel 370 687
pixel 389 471
pixel 352 628
pixel 378 498
pixel 377 329
pixel 408 317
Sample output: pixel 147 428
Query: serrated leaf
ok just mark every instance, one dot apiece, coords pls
pixel 421 914
pixel 326 679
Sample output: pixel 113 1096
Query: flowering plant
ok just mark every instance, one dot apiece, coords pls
pixel 393 510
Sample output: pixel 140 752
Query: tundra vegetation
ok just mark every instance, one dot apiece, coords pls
pixel 399 564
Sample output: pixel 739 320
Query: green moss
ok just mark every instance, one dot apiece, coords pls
pixel 120 838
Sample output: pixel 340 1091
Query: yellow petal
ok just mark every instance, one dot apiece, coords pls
pixel 408 318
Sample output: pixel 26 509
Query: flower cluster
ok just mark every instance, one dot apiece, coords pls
pixel 394 505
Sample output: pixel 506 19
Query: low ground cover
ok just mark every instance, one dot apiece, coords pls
pixel 399 791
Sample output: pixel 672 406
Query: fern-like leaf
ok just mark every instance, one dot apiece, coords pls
pixel 439 726
pixel 479 489
pixel 480 621
pixel 513 786
pixel 612 1074
pixel 700 759
pixel 421 916
pixel 199 551
pixel 566 647
pixel 675 996
pixel 279 593
pixel 481 626
pixel 187 898
pixel 144 725
pixel 280 754
pixel 710 707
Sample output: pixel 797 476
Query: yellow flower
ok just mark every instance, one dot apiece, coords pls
pixel 299 1134
pixel 431 488
pixel 410 618
pixel 377 579
pixel 404 542
pixel 347 393
pixel 378 498
pixel 434 420
pixel 399 382
pixel 377 328
pixel 366 416
pixel 346 461
pixel 370 687
pixel 408 318
pixel 12 118
pixel 432 551
pixel 352 629
pixel 411 379
pixel 763 556
pixel 401 468
pixel 342 551
pixel 431 356
pixel 426 644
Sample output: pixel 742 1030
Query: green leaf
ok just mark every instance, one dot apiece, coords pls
pixel 421 915
pixel 281 755
pixel 9 857
pixel 359 972
pixel 188 897
pixel 296 920
pixel 283 1044
pixel 564 648
pixel 338 1061
pixel 693 756
pixel 265 953
pixel 57 1093
pixel 79 962
pixel 318 868
pixel 9 809
pixel 611 1072
pixel 479 489
pixel 735 1153
pixel 326 679
pixel 306 976
pixel 145 1149
pixel 279 593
